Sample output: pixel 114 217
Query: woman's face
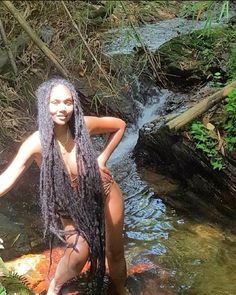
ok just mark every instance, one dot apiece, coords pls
pixel 60 104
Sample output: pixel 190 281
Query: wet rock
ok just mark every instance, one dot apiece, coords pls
pixel 15 238
pixel 212 192
pixel 96 102
pixel 36 269
pixel 161 184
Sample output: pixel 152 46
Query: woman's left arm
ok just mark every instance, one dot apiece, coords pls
pixel 102 125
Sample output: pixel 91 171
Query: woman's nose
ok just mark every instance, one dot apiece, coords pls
pixel 62 107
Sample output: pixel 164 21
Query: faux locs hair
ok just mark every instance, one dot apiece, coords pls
pixel 84 204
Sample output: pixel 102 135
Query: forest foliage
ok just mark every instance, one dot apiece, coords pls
pixel 52 24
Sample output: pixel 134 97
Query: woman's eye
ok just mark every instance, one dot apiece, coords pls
pixel 57 102
pixel 54 102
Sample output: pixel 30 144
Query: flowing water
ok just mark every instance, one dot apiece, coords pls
pixel 176 254
pixel 170 253
pixel 167 252
pixel 123 41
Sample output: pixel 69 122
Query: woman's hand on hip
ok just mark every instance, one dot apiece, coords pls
pixel 102 165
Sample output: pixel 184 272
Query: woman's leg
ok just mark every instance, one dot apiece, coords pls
pixel 114 218
pixel 72 261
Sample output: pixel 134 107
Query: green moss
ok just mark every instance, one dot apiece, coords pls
pixel 201 54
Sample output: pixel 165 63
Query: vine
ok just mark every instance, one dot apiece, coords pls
pixel 207 144
pixel 230 124
pixel 207 139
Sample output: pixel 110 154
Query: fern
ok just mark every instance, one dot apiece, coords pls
pixel 12 283
pixel 3 290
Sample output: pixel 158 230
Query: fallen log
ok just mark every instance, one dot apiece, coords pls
pixel 200 108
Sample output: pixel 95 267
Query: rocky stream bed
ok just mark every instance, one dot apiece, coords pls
pixel 179 213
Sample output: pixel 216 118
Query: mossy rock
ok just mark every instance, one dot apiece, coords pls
pixel 193 59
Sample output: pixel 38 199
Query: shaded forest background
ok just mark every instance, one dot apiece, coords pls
pixel 77 41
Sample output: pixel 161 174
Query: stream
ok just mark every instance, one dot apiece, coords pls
pixel 183 254
pixel 124 40
pixel 167 252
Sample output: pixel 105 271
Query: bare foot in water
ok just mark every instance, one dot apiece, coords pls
pixel 53 289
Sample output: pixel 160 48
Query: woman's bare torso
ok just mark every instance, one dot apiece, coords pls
pixel 31 150
pixel 68 154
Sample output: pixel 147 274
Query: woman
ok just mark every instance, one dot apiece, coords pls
pixel 81 203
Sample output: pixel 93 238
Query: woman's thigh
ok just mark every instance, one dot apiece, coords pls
pixel 75 243
pixel 114 220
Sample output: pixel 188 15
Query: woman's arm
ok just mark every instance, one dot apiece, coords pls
pixel 20 164
pixel 114 126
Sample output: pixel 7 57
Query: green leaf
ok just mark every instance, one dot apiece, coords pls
pixel 3 290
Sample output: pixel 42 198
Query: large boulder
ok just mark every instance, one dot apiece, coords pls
pixel 193 59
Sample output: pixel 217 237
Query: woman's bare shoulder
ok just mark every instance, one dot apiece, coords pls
pixel 88 123
pixel 33 142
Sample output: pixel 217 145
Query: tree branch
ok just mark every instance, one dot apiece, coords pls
pixel 8 48
pixel 87 46
pixel 41 45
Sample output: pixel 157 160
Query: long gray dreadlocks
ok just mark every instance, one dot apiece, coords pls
pixel 84 204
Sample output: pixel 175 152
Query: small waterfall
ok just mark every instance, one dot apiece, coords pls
pixel 148 112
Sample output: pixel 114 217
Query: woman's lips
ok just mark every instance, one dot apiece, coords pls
pixel 61 117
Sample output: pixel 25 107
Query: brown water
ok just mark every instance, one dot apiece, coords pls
pixel 167 252
pixel 188 255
